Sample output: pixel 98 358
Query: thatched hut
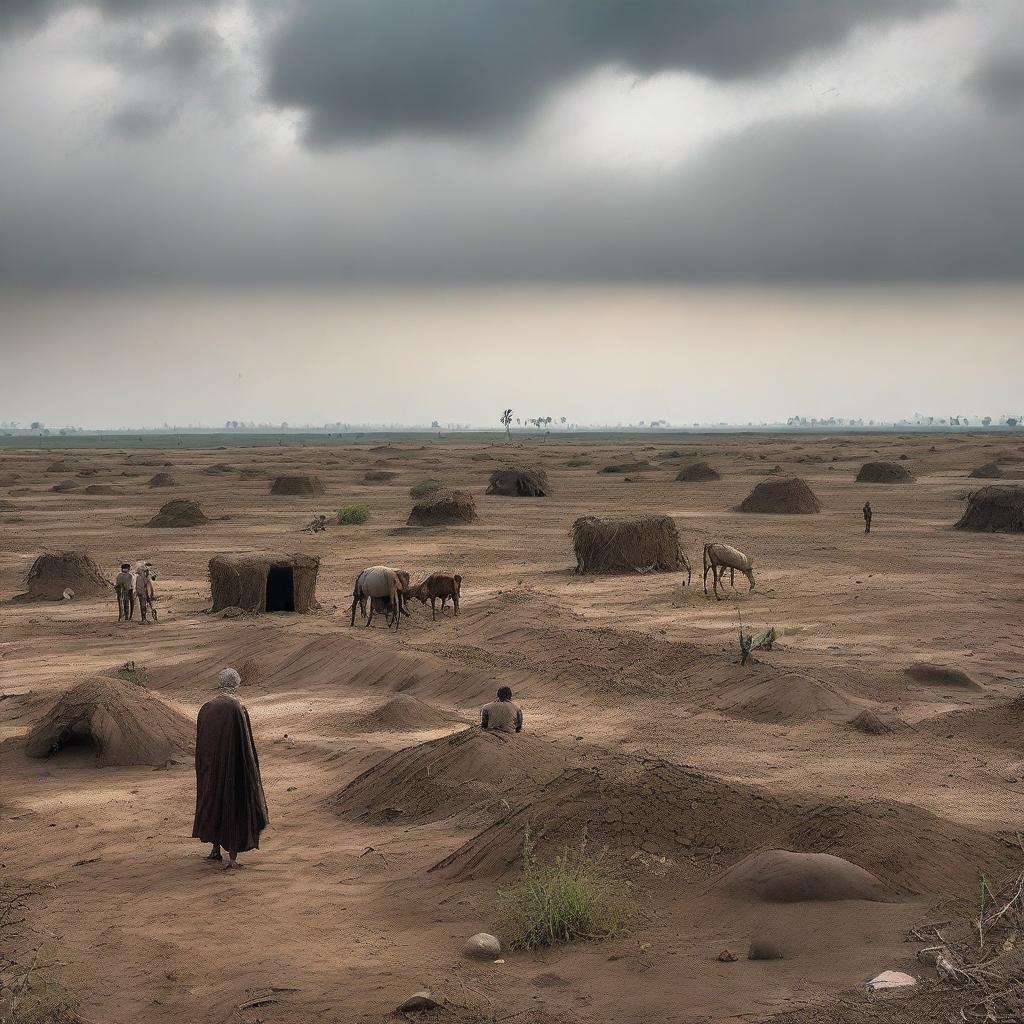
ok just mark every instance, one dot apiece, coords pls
pixel 644 544
pixel 990 471
pixel 884 473
pixel 162 480
pixel 994 509
pixel 177 514
pixel 425 487
pixel 443 508
pixel 264 583
pixel 519 482
pixel 698 472
pixel 303 484
pixel 123 721
pixel 792 496
pixel 53 574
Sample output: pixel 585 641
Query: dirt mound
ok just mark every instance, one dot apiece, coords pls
pixel 218 468
pixel 162 480
pixel 252 474
pixel 61 466
pixel 629 805
pixel 784 698
pixel 791 496
pixel 377 475
pixel 298 484
pixel 65 486
pixel 468 771
pixel 995 509
pixel 406 714
pixel 698 472
pixel 179 513
pixel 929 674
pixel 443 508
pixel 645 544
pixel 124 721
pixel 873 724
pixel 780 876
pixel 519 482
pixel 627 467
pixel 884 473
pixel 107 489
pixel 990 471
pixel 52 574
pixel 999 725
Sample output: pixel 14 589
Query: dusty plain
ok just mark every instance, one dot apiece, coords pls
pixel 643 729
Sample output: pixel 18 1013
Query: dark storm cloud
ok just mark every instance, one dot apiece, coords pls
pixel 372 68
pixel 1000 80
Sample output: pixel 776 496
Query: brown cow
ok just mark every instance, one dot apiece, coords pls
pixel 438 585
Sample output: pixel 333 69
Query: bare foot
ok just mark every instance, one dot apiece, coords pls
pixel 214 856
pixel 233 865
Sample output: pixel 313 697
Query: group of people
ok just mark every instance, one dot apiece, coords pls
pixel 231 807
pixel 135 587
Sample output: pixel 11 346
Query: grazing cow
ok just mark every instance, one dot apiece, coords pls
pixel 385 589
pixel 438 585
pixel 718 558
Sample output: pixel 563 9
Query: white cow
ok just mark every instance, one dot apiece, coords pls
pixel 718 558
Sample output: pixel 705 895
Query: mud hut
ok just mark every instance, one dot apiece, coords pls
pixel 264 583
pixel 53 574
pixel 994 509
pixel 443 508
pixel 698 472
pixel 990 471
pixel 162 480
pixel 123 721
pixel 884 473
pixel 179 513
pixel 790 496
pixel 645 544
pixel 519 482
pixel 302 484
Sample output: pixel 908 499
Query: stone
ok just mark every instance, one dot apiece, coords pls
pixel 419 1002
pixel 727 956
pixel 482 946
pixel 888 980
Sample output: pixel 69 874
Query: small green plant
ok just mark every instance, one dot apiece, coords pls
pixel 133 673
pixel 575 896
pixel 353 515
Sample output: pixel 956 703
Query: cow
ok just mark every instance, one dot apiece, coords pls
pixel 385 589
pixel 438 585
pixel 718 558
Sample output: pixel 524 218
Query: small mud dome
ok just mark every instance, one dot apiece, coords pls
pixel 780 876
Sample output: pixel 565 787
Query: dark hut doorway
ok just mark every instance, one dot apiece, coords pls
pixel 280 589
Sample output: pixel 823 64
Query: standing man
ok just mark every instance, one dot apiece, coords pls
pixel 867 516
pixel 143 589
pixel 124 588
pixel 231 809
pixel 502 715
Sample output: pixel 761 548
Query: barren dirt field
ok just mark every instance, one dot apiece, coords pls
pixel 643 730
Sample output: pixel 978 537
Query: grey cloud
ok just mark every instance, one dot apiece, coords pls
pixel 1000 80
pixel 138 122
pixel 368 69
pixel 28 15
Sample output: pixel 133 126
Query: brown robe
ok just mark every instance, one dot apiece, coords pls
pixel 231 809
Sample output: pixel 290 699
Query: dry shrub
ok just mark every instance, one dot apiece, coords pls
pixel 353 515
pixel 425 487
pixel 995 509
pixel 443 508
pixel 179 513
pixel 574 896
pixel 884 473
pixel 645 544
pixel 519 482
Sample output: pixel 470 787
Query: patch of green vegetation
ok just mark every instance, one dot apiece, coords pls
pixel 133 673
pixel 353 515
pixel 575 896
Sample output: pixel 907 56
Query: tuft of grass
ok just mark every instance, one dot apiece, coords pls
pixel 133 673
pixel 353 515
pixel 575 896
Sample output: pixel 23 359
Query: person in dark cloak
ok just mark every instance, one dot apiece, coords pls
pixel 231 809
pixel 867 516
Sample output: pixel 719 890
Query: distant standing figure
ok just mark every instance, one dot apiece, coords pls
pixel 231 809
pixel 502 715
pixel 867 516
pixel 124 588
pixel 144 576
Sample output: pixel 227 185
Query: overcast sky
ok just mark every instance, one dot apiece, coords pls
pixel 480 203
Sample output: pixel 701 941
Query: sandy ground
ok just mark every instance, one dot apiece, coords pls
pixel 342 914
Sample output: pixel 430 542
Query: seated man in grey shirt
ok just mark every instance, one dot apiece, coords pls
pixel 502 715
